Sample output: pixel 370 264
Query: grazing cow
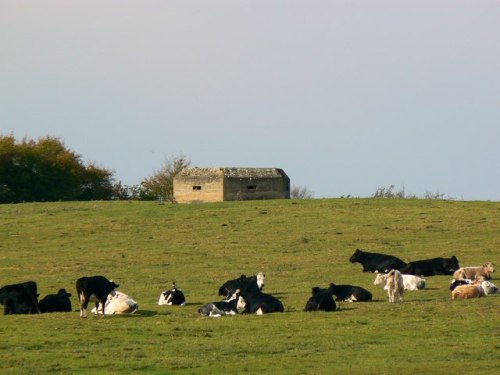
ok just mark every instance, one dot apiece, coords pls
pixel 258 303
pixel 350 293
pixel 219 308
pixel 171 297
pixel 484 271
pixel 117 303
pixel 97 286
pixel 432 267
pixel 375 262
pixel 321 299
pixel 20 298
pixel 250 284
pixel 411 282
pixel 475 290
pixel 59 302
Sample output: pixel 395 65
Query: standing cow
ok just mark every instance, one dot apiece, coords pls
pixel 97 286
pixel 20 298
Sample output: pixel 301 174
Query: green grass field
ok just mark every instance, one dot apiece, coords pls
pixel 298 244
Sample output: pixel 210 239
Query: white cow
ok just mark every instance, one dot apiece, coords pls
pixel 118 303
pixel 393 283
pixel 411 282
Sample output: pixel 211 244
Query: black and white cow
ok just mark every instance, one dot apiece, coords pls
pixel 321 299
pixel 20 298
pixel 375 262
pixel 350 293
pixel 432 267
pixel 59 302
pixel 251 284
pixel 455 283
pixel 258 303
pixel 220 308
pixel 171 297
pixel 97 286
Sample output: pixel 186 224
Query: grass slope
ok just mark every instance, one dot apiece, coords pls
pixel 299 244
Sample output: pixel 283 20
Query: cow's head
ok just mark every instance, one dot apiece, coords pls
pixel 241 304
pixel 356 256
pixel 380 279
pixel 63 293
pixel 260 280
pixel 453 264
pixel 489 267
pixel 489 287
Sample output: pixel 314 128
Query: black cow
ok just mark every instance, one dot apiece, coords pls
pixel 375 262
pixel 321 299
pixel 431 267
pixel 173 296
pixel 20 298
pixel 98 286
pixel 59 302
pixel 259 303
pixel 219 308
pixel 252 284
pixel 350 293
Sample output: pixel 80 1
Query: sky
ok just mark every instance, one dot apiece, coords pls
pixel 346 96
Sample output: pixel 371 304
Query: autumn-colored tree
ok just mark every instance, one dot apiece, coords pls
pixel 160 186
pixel 45 170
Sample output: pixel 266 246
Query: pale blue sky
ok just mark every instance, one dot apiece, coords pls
pixel 345 96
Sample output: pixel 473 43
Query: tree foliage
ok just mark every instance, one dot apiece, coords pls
pixel 160 186
pixel 300 192
pixel 45 170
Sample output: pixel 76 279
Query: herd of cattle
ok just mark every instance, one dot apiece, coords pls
pixel 244 294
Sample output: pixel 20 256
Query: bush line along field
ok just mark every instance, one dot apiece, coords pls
pixel 298 244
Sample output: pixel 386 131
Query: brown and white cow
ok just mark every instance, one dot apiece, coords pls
pixel 393 283
pixel 475 290
pixel 410 282
pixel 484 271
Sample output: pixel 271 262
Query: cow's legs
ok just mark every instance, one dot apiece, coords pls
pixel 103 304
pixel 83 305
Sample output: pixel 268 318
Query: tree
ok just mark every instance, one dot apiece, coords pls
pixel 160 186
pixel 300 192
pixel 45 170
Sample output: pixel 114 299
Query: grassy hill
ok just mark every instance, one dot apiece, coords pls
pixel 298 244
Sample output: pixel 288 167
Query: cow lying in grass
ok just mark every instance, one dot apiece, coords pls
pixel 172 297
pixel 410 282
pixel 258 303
pixel 220 308
pixel 475 290
pixel 59 302
pixel 117 303
pixel 321 299
pixel 350 293
pixel 376 262
pixel 484 271
pixel 250 284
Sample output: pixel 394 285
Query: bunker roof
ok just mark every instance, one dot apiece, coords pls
pixel 234 172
